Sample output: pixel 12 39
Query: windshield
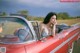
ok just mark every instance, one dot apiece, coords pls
pixel 14 30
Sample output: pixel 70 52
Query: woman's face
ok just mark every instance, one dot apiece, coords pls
pixel 53 19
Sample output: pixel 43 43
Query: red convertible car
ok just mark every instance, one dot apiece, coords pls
pixel 18 35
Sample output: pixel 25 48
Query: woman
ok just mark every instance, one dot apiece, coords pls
pixel 48 27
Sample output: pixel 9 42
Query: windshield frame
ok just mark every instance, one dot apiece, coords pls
pixel 29 25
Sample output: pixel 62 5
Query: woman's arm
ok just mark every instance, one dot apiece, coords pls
pixel 54 28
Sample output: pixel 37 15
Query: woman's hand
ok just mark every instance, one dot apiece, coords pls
pixel 54 22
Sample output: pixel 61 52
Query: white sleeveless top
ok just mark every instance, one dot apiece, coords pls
pixel 45 32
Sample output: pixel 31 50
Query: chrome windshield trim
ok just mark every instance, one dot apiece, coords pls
pixel 26 21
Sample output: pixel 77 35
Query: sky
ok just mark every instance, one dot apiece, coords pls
pixel 40 7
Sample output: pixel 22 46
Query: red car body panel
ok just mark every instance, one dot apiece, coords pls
pixel 58 44
pixel 45 46
pixel 51 43
pixel 13 48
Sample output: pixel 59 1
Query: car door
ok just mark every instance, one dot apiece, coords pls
pixel 50 44
pixel 15 33
pixel 42 45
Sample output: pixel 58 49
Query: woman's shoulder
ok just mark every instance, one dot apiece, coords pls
pixel 42 25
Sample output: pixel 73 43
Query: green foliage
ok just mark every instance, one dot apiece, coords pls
pixel 23 12
pixel 78 16
pixel 63 15
pixel 32 18
pixel 76 47
pixel 38 19
pixel 3 14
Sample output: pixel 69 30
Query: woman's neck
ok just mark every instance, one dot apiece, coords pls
pixel 48 25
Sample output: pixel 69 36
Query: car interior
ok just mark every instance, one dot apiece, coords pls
pixel 36 26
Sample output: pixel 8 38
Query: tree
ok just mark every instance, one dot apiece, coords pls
pixel 63 15
pixel 78 16
pixel 23 12
pixel 3 14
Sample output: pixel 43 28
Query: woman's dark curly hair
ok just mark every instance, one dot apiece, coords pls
pixel 48 17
